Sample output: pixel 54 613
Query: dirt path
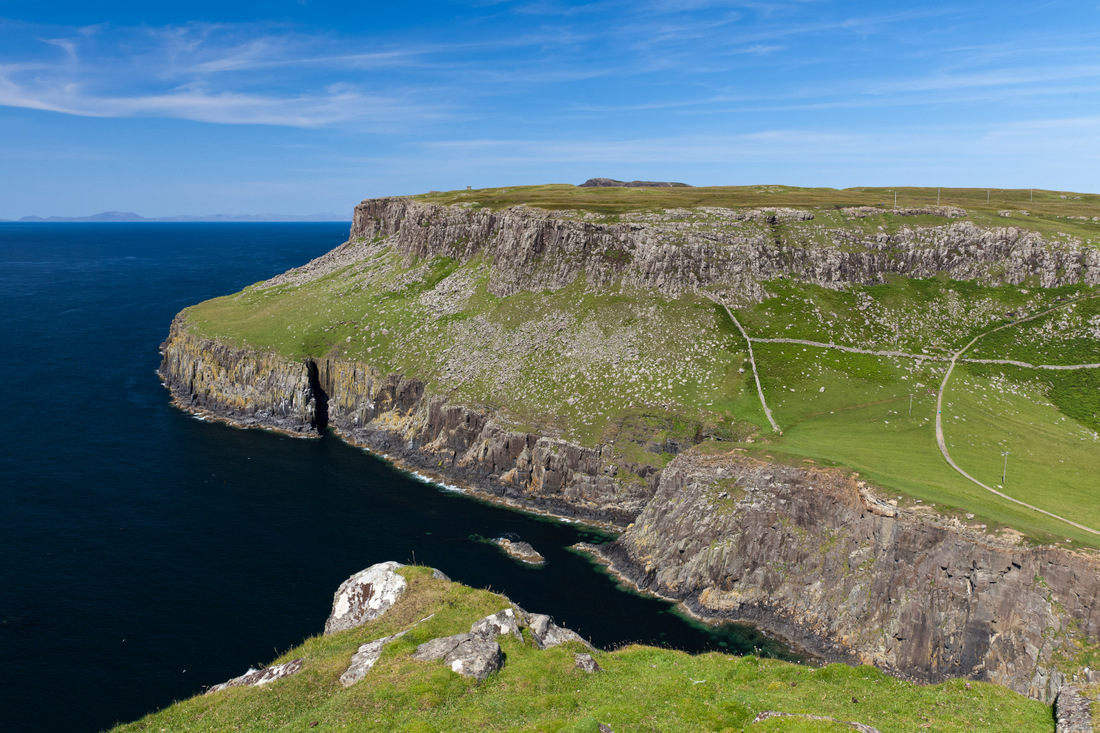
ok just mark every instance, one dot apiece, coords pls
pixel 954 359
pixel 950 461
pixel 752 361
pixel 939 417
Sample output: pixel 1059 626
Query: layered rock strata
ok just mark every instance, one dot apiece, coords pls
pixel 394 415
pixel 799 552
pixel 805 553
pixel 533 250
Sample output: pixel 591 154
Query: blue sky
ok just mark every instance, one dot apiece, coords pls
pixel 297 106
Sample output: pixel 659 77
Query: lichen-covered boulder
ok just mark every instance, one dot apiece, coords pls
pixel 257 677
pixel 586 663
pixel 500 623
pixel 466 654
pixel 363 659
pixel 365 596
pixel 548 634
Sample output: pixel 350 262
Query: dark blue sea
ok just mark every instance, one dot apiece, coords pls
pixel 145 554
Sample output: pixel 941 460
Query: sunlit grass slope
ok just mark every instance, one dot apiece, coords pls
pixel 640 689
pixel 649 374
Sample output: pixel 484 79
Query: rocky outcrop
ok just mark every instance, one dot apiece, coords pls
pixel 533 250
pixel 466 654
pixel 521 551
pixel 247 387
pixel 801 552
pixel 395 415
pixel 365 596
pixel 259 677
pixel 1073 711
pixel 365 658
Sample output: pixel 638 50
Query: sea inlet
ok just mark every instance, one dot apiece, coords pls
pixel 145 554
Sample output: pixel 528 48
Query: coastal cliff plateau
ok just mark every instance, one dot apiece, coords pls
pixel 731 249
pixel 532 356
pixel 812 555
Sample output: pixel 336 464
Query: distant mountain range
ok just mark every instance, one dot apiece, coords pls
pixel 128 216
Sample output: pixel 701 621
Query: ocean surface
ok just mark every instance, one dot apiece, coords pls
pixel 145 554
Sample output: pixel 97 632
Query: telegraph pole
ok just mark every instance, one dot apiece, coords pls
pixel 1004 471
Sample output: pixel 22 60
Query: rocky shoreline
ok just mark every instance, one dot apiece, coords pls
pixel 805 554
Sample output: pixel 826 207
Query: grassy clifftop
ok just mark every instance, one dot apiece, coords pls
pixel 850 371
pixel 640 688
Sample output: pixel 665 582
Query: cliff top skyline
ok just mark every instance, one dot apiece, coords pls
pixel 299 106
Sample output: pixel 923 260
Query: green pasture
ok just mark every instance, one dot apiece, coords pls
pixel 640 688
pixel 1053 460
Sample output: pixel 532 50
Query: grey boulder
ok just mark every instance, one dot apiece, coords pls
pixel 466 654
pixel 500 623
pixel 548 634
pixel 365 596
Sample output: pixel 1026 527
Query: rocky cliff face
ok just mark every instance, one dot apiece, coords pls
pixel 801 552
pixel 737 249
pixel 391 414
pixel 811 555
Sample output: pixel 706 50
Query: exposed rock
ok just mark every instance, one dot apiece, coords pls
pixel 365 596
pixel 1073 711
pixel 548 634
pixel 800 551
pixel 949 212
pixel 363 660
pixel 257 677
pixel 587 663
pixel 533 250
pixel 500 623
pixel 466 654
pixel 769 714
pixel 521 551
pixel 440 647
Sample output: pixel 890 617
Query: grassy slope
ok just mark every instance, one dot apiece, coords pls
pixel 636 370
pixel 641 689
pixel 861 418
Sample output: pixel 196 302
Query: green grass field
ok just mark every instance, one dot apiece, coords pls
pixel 646 373
pixel 640 689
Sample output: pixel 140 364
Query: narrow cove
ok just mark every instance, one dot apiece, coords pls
pixel 148 554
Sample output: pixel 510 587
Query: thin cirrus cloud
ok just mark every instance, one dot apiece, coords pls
pixel 197 73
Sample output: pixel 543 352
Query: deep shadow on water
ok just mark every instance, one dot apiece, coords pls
pixel 145 554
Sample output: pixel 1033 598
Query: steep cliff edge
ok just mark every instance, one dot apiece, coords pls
pixel 809 553
pixel 394 415
pixel 559 361
pixel 734 249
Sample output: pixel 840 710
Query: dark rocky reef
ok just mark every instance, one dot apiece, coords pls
pixel 811 555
